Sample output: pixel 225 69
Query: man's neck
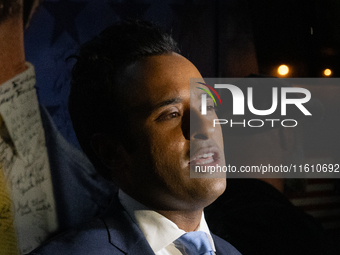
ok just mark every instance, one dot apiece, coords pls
pixel 12 54
pixel 187 221
pixel 277 183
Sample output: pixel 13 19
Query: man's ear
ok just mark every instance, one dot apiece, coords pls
pixel 107 149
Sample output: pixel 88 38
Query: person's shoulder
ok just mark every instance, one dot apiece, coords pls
pixel 223 247
pixel 92 238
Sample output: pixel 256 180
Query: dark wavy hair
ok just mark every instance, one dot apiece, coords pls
pixel 96 102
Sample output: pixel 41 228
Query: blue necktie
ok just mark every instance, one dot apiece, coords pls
pixel 196 243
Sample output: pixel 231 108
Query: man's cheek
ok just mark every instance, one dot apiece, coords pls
pixel 218 136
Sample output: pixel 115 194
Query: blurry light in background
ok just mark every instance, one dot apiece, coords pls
pixel 327 72
pixel 283 70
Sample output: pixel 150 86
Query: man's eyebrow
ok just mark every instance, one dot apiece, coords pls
pixel 145 110
pixel 171 101
pixel 203 92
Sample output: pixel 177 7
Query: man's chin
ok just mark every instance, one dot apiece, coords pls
pixel 210 189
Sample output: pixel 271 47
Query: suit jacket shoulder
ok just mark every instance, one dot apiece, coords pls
pixel 223 247
pixel 92 239
pixel 112 233
pixel 80 192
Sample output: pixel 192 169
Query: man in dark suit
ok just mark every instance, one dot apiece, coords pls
pixel 131 109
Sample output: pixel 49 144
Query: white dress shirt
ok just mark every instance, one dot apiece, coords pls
pixel 160 232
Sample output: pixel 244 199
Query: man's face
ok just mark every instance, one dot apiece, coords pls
pixel 157 171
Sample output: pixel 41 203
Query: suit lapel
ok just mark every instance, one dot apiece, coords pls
pixel 126 236
pixel 123 233
pixel 223 247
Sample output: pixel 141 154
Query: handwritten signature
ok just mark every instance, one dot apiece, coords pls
pixel 29 179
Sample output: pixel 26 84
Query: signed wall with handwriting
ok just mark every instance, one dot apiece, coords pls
pixel 24 160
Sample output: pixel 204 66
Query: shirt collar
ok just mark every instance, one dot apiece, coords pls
pixel 157 229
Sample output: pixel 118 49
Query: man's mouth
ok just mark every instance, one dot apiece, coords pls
pixel 205 157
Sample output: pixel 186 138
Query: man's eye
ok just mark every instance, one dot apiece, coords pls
pixel 169 116
pixel 211 108
pixel 173 115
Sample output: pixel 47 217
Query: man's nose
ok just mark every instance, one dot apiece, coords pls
pixel 201 128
